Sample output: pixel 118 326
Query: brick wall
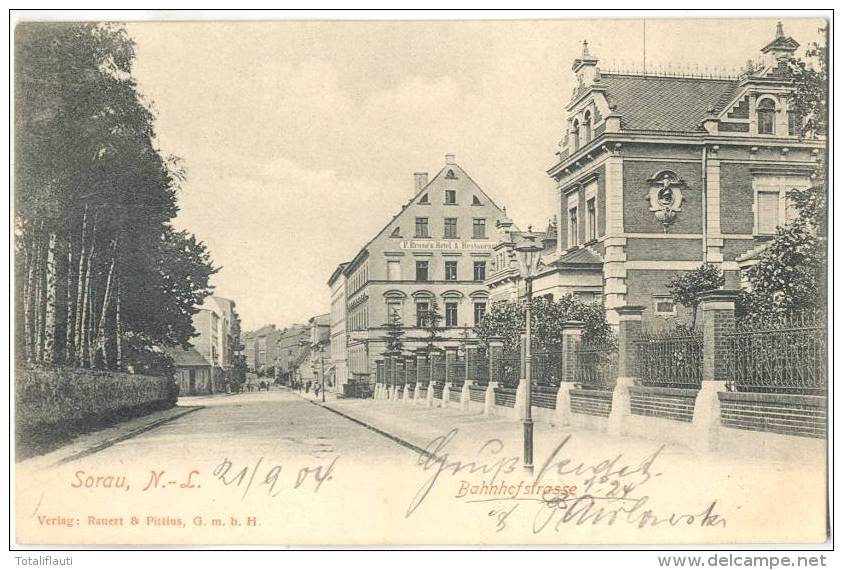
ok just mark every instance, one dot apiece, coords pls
pixel 591 402
pixel 642 249
pixel 736 199
pixel 637 217
pixel 787 414
pixel 643 284
pixel 732 248
pixel 669 403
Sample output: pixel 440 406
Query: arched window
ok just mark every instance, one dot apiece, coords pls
pixel 586 128
pixel 575 135
pixel 766 110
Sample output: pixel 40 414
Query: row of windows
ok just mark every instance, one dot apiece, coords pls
pixel 451 315
pixel 358 320
pixel 590 223
pixel 450 228
pixel 765 111
pixel 451 199
pixel 360 278
pixel 581 131
pixel 423 270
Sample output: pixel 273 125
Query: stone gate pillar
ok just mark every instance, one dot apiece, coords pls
pixel 495 354
pixel 718 321
pixel 629 330
pixel 571 342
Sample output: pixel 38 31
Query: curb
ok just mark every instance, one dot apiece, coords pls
pixel 394 438
pixel 115 440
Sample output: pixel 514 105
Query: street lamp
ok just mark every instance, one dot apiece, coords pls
pixel 528 256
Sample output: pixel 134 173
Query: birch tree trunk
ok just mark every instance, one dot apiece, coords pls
pixel 80 290
pixel 102 342
pixel 119 328
pixel 49 336
pixel 70 316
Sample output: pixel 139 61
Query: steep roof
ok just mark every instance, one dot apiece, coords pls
pixel 674 104
pixel 186 358
pixel 458 170
pixel 583 256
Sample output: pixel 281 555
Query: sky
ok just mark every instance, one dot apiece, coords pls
pixel 300 139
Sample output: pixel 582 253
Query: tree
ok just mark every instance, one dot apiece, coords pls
pixel 432 324
pixel 507 319
pixel 790 275
pixel 102 278
pixel 394 336
pixel 685 288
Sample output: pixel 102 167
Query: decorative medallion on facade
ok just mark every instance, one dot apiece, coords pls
pixel 665 196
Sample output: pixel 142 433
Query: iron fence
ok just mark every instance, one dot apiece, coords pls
pixel 423 371
pixel 670 358
pixel 439 370
pixel 786 355
pixel 478 366
pixel 547 367
pixel 456 371
pixel 508 369
pixel 410 365
pixel 379 373
pixel 596 365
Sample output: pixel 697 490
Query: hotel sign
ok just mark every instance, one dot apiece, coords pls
pixel 447 245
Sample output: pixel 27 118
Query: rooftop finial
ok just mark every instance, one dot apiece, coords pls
pixel 585 47
pixel 779 30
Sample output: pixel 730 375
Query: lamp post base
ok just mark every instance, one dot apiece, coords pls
pixel 528 446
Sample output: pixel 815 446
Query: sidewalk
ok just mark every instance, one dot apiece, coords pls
pixel 745 490
pixel 92 442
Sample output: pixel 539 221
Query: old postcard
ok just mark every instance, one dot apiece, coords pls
pixel 504 282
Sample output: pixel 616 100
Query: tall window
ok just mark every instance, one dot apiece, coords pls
pixel 575 135
pixel 393 270
pixel 591 229
pixel 766 111
pixel 573 230
pixel 422 307
pixel 451 317
pixel 450 228
pixel 479 270
pixel 450 196
pixel 768 212
pixel 586 128
pixel 422 273
pixel 450 271
pixel 421 228
pixel 479 228
pixel 479 311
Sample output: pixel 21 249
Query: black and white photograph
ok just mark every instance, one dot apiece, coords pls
pixel 423 280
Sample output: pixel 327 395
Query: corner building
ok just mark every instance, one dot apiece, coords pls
pixel 659 174
pixel 438 247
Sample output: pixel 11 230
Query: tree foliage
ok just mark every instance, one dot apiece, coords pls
pixel 790 275
pixel 686 287
pixel 102 278
pixel 507 319
pixel 394 335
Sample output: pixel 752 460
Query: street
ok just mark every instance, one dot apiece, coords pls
pixel 276 468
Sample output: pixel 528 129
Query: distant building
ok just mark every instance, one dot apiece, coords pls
pixel 214 341
pixel 194 374
pixel 338 331
pixel 261 348
pixel 293 346
pixel 658 174
pixel 318 355
pixel 436 250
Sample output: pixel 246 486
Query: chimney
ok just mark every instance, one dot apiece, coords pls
pixel 421 180
pixel 450 159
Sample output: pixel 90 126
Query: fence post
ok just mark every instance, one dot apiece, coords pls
pixel 417 389
pixel 399 375
pixel 433 358
pixel 629 329
pixel 571 341
pixel 495 353
pixel 718 316
pixel 465 395
pixel 450 359
pixel 379 378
